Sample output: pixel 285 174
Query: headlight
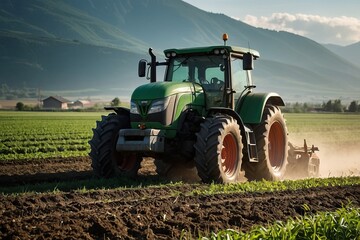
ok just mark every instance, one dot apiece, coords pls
pixel 133 108
pixel 159 105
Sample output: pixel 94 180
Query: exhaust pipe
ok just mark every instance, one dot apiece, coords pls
pixel 153 66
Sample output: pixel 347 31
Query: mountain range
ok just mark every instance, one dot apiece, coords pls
pixel 91 47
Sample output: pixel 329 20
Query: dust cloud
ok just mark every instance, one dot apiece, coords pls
pixel 337 159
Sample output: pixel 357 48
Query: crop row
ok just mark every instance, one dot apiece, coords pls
pixel 43 153
pixel 341 224
pixel 43 149
pixel 47 137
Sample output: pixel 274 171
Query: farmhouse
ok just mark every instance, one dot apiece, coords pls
pixel 79 104
pixel 55 102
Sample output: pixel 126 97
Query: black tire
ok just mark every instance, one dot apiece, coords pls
pixel 272 147
pixel 218 150
pixel 162 168
pixel 106 161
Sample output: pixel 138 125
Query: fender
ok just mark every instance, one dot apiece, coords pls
pixel 251 106
pixel 119 110
pixel 230 112
pixel 246 132
pixel 227 111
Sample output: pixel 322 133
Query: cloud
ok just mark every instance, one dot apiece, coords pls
pixel 338 30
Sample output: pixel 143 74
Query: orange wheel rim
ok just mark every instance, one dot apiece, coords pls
pixel 276 145
pixel 229 153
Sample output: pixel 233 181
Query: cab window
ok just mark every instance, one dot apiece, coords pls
pixel 239 77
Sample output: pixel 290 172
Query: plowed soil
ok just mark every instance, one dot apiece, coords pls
pixel 143 213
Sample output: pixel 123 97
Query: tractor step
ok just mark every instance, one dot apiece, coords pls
pixel 251 145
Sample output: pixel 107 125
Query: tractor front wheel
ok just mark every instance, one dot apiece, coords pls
pixel 272 147
pixel 106 161
pixel 219 148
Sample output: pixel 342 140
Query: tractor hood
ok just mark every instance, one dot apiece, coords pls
pixel 160 90
pixel 159 105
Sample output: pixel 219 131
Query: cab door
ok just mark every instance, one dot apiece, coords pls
pixel 239 80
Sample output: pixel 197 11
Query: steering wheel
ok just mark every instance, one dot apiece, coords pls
pixel 216 81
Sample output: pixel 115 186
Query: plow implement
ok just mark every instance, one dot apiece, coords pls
pixel 302 161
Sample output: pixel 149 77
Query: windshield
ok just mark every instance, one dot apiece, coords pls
pixel 208 71
pixel 199 69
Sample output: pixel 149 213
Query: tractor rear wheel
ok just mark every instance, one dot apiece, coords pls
pixel 218 150
pixel 106 161
pixel 272 147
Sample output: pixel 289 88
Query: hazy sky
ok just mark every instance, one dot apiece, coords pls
pixel 325 21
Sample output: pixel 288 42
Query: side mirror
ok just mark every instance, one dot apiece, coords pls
pixel 248 63
pixel 142 68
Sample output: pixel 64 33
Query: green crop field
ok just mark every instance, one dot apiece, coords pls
pixel 326 128
pixel 33 135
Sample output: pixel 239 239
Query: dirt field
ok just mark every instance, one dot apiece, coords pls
pixel 145 213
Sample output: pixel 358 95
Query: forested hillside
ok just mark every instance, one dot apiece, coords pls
pixel 94 45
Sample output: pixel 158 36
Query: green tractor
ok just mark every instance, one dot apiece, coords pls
pixel 204 115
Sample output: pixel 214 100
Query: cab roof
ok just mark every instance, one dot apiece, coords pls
pixel 210 49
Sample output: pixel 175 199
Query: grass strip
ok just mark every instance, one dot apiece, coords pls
pixel 268 186
pixel 196 189
pixel 341 224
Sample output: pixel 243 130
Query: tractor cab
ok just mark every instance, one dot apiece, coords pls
pixel 223 72
pixel 220 70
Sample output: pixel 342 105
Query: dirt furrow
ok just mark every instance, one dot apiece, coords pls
pixel 142 213
pixel 74 215
pixel 32 171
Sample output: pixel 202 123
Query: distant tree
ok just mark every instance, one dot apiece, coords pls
pixel 115 102
pixel 20 106
pixel 354 107
pixel 333 106
pixel 337 106
pixel 306 107
pixel 297 108
pixel 328 107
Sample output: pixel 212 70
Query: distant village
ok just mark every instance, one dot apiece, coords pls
pixel 52 103
pixel 32 99
pixel 58 102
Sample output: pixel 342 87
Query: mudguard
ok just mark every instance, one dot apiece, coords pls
pixel 118 110
pixel 251 106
